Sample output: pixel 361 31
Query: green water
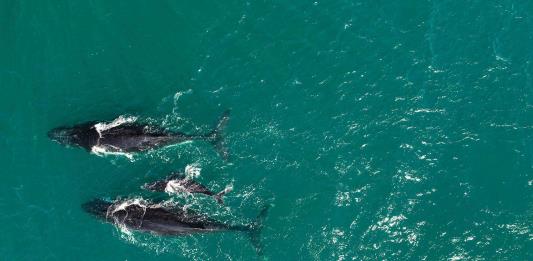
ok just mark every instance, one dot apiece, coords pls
pixel 376 130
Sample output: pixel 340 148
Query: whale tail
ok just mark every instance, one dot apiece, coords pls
pixel 216 137
pixel 255 228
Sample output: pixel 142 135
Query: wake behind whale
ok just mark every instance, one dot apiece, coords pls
pixel 126 135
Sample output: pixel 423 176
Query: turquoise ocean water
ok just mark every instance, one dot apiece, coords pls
pixel 376 130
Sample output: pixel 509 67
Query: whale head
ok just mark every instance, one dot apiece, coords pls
pixel 97 207
pixel 83 135
pixel 159 185
pixel 65 136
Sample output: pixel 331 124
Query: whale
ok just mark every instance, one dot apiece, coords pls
pixel 177 182
pixel 158 219
pixel 126 135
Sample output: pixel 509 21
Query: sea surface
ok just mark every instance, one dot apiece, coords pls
pixel 374 130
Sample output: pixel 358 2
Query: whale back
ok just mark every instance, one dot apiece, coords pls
pixel 134 137
pixel 163 221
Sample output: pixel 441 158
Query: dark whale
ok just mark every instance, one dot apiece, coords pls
pixel 177 182
pixel 156 219
pixel 125 136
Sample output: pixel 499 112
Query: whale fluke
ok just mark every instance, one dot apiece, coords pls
pixel 255 232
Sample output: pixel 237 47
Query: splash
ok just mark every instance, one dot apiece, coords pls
pixel 178 94
pixel 228 188
pixel 175 100
pixel 102 126
pixel 175 187
pixel 192 170
pixel 122 206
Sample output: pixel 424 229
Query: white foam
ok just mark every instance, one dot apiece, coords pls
pixel 102 126
pixel 122 207
pixel 178 94
pixel 103 151
pixel 145 240
pixel 427 110
pixel 228 188
pixel 175 187
pixel 124 204
pixel 193 171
